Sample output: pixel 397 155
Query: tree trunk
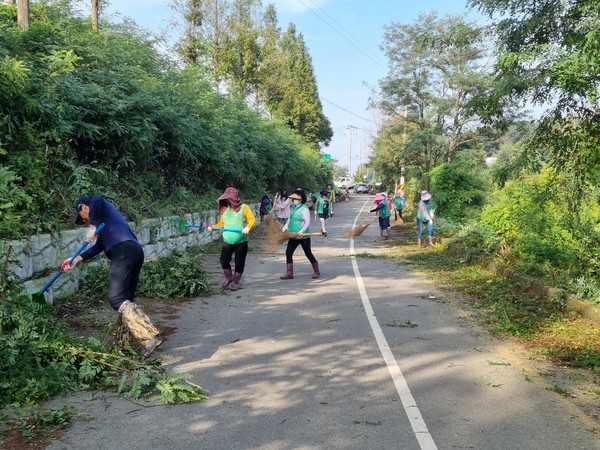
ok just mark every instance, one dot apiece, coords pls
pixel 23 14
pixel 95 9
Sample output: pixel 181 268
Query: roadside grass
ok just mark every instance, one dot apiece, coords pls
pixel 541 324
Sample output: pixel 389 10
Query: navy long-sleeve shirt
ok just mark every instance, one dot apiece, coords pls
pixel 116 229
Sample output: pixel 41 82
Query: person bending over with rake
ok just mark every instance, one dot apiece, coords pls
pixel 298 223
pixel 126 256
pixel 238 216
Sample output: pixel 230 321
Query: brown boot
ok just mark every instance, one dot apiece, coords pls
pixel 228 278
pixel 235 283
pixel 316 273
pixel 289 274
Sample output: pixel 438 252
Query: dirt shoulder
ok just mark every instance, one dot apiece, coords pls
pixel 576 389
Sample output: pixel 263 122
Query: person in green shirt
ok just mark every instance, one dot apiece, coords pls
pixel 235 215
pixel 323 209
pixel 399 203
pixel 383 212
pixel 299 223
pixel 425 217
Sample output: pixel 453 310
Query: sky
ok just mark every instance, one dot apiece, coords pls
pixel 343 38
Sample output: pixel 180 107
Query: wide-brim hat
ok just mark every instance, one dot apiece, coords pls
pixel 425 196
pixel 229 193
pixel 82 201
pixel 295 196
pixel 378 198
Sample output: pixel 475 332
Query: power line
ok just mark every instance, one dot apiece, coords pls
pixel 345 110
pixel 376 61
pixel 381 62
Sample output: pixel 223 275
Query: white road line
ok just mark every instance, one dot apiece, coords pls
pixel 408 402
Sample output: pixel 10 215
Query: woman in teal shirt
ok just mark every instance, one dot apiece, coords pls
pixel 298 223
pixel 425 217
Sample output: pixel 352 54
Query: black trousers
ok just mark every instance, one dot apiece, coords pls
pixel 240 250
pixel 126 260
pixel 293 244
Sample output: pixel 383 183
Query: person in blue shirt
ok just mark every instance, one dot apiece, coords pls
pixel 120 245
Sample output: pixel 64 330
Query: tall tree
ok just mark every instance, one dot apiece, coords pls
pixel 95 14
pixel 244 50
pixel 205 35
pixel 271 70
pixel 436 69
pixel 23 14
pixel 549 56
pixel 299 104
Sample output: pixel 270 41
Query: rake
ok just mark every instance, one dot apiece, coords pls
pixel 39 297
pixel 203 227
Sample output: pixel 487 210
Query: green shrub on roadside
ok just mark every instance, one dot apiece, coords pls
pixel 583 287
pixel 542 234
pixel 475 242
pixel 178 275
pixel 444 227
pixel 460 188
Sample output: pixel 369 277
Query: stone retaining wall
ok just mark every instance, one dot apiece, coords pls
pixel 39 257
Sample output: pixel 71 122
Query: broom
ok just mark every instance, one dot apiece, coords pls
pixel 276 237
pixel 357 231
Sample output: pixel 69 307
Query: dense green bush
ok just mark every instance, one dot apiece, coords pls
pixel 459 189
pixel 443 227
pixel 475 241
pixel 543 230
pixel 84 112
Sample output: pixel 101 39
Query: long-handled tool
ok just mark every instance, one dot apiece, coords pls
pixel 203 227
pixel 358 230
pixel 39 297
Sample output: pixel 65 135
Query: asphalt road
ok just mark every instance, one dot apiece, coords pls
pixel 369 356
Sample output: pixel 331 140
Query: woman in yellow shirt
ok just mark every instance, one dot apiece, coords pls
pixel 238 216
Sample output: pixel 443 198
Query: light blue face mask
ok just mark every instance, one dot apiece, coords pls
pixel 296 202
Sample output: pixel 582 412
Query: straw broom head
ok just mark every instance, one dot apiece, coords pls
pixel 358 230
pixel 275 237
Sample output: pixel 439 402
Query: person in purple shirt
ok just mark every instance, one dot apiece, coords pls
pixel 119 243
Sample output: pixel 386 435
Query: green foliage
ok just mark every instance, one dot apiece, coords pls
pixel 39 358
pixel 32 421
pixel 84 112
pixel 172 390
pixel 583 287
pixel 446 228
pixel 459 188
pixel 540 231
pixel 475 242
pixel 548 55
pixel 180 274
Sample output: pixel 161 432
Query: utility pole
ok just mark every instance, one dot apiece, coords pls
pixel 350 128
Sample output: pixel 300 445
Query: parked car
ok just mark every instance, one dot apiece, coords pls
pixel 345 183
pixel 361 188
